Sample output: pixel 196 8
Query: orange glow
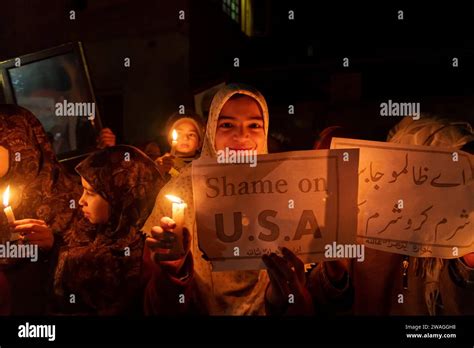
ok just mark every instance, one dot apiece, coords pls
pixel 174 199
pixel 6 196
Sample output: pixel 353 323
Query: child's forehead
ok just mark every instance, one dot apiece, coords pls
pixel 186 126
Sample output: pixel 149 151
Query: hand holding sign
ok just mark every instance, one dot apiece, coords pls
pixel 287 290
pixel 303 200
pixel 337 269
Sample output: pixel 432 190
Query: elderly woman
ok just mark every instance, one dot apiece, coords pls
pixel 435 286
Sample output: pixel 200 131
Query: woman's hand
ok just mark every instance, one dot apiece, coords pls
pixel 336 270
pixel 34 231
pixel 168 247
pixel 287 277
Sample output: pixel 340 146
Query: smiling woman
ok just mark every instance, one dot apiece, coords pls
pixel 223 293
pixel 238 119
pixel 240 125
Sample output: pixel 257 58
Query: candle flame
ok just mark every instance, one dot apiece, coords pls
pixel 6 196
pixel 174 199
pixel 174 135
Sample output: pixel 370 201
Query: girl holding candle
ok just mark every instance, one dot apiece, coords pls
pixel 238 120
pixel 103 269
pixel 185 135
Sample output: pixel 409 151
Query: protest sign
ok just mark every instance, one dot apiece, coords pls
pixel 414 200
pixel 302 200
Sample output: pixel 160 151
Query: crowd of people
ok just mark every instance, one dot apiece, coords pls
pixel 104 234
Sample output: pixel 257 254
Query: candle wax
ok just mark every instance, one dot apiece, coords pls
pixel 173 147
pixel 9 213
pixel 11 219
pixel 178 217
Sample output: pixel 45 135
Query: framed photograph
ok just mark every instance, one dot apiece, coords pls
pixel 54 84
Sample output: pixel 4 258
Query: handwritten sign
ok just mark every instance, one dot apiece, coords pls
pixel 302 200
pixel 414 200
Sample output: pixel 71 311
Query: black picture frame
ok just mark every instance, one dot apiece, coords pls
pixel 39 80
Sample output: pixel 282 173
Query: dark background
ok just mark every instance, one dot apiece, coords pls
pixel 292 62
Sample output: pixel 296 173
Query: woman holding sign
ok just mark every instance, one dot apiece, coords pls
pixel 395 284
pixel 445 286
pixel 238 121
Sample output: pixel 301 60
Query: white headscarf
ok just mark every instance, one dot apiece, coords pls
pixel 221 293
pixel 221 97
pixel 431 130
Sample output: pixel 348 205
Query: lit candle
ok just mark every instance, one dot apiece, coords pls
pixel 174 142
pixel 179 207
pixel 8 210
pixel 173 172
pixel 9 213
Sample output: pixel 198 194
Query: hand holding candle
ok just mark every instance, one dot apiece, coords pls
pixel 168 240
pixel 34 231
pixel 165 163
pixel 8 210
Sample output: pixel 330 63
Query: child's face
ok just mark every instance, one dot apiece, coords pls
pixel 240 126
pixel 188 139
pixel 96 209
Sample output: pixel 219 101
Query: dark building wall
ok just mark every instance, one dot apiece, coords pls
pixel 149 32
pixel 300 62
